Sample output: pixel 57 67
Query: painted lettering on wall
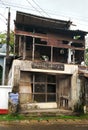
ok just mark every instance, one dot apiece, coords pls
pixel 48 66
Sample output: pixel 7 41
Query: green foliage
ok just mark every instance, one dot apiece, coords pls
pixel 12 117
pixel 3 39
pixel 86 56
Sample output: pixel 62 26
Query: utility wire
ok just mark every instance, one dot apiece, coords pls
pixel 21 7
pixel 34 7
pixel 14 5
pixel 3 21
pixel 25 7
pixel 42 9
pixel 3 16
pixel 2 3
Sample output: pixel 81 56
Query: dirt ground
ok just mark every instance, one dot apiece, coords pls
pixel 45 125
pixel 45 122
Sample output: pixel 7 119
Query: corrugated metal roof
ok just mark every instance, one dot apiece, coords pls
pixel 25 19
pixel 29 19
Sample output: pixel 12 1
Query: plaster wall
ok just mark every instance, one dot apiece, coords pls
pixel 4 95
pixel 24 65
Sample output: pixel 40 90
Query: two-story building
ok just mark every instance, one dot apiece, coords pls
pixel 48 55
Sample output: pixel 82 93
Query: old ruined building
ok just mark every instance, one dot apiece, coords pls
pixel 45 71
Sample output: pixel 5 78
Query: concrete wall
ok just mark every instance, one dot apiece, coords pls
pixel 23 65
pixel 74 90
pixel 14 75
pixel 3 64
pixel 4 96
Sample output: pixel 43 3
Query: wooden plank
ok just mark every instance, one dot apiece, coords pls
pixel 48 37
pixel 64 46
pixel 20 46
pixel 24 48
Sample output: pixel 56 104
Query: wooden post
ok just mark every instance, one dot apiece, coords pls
pixel 33 87
pixel 19 45
pixel 24 48
pixel 51 54
pixel 33 47
pixel 8 33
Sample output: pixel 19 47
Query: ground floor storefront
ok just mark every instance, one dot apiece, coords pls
pixel 40 87
pixel 42 90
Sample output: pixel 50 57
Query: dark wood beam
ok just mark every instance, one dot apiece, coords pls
pixel 48 37
pixel 64 46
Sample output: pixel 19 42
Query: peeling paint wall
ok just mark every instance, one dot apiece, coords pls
pixel 74 85
pixel 21 71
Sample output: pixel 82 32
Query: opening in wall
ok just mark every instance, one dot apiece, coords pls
pixel 43 87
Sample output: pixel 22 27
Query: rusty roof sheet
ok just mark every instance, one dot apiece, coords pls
pixel 29 19
pixel 52 24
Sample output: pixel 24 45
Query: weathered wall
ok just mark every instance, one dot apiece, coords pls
pixel 21 65
pixel 64 90
pixel 4 95
pixel 74 90
pixel 21 80
pixel 14 75
pixel 25 87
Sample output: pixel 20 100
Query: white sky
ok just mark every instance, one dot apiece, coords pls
pixel 74 10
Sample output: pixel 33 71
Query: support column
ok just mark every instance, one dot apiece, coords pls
pixel 33 46
pixel 24 48
pixel 51 54
pixel 20 46
pixel 16 79
pixel 69 53
pixel 74 95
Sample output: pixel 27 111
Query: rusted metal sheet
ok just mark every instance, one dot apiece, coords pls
pixel 29 19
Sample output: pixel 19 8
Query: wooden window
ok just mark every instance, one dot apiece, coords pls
pixel 43 87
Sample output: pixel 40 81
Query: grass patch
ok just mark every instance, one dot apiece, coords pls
pixel 15 117
pixel 11 117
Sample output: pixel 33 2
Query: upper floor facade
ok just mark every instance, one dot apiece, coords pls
pixel 45 39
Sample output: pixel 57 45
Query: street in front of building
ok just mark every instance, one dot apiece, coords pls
pixel 48 126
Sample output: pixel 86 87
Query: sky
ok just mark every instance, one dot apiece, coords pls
pixel 73 10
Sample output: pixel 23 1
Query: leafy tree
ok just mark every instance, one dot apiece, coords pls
pixel 3 39
pixel 86 56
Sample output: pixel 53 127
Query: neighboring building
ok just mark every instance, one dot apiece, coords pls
pixel 4 88
pixel 48 55
pixel 4 64
pixel 2 68
pixel 4 95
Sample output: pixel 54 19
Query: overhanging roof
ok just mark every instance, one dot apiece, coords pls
pixel 29 19
pixel 25 19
